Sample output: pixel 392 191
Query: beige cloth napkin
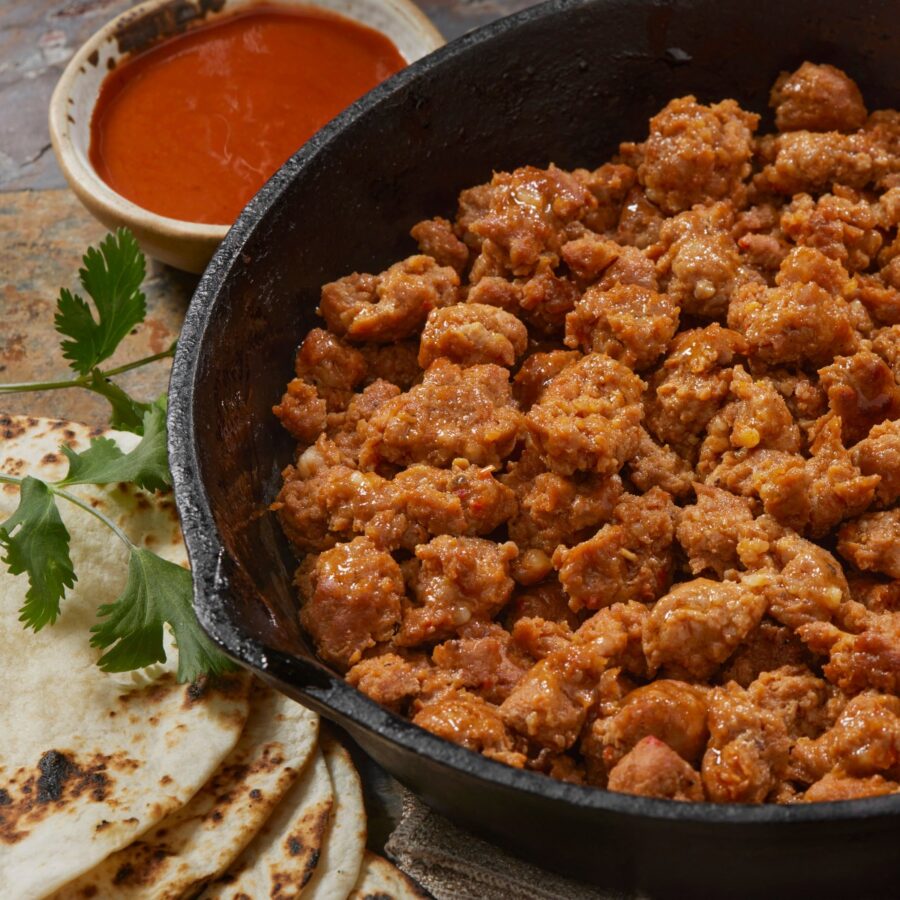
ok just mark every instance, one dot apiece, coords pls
pixel 454 865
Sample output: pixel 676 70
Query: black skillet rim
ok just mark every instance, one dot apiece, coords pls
pixel 324 687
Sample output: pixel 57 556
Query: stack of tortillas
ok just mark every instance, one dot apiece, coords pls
pixel 136 786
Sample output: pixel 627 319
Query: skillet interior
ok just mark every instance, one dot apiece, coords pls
pixel 564 82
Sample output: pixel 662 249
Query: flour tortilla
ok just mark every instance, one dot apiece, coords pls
pixel 88 764
pixel 280 861
pixel 382 880
pixel 345 843
pixel 200 840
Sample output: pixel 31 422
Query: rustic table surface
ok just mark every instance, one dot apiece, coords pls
pixel 45 230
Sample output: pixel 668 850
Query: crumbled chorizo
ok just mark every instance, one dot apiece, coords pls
pixel 528 212
pixel 841 226
pixel 769 646
pixel 713 548
pixel 696 153
pixel 862 391
pixel 472 333
pixel 388 679
pixel 630 323
pixel 610 185
pixel 692 383
pixel 302 411
pixel 659 466
pixel 436 239
pixel 628 559
pixel 547 299
pixel 352 600
pixel 872 542
pixel 747 755
pixel 334 367
pixel 698 261
pixel 466 413
pixel 653 769
pixel 545 601
pixel 817 98
pixel 460 579
pixel 396 363
pixel 694 628
pixel 391 306
pixel 837 786
pixel 639 222
pixel 595 259
pixel 538 370
pixel 879 454
pixel 588 418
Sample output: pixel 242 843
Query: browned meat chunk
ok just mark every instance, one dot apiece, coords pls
pixel 653 769
pixel 696 153
pixel 391 306
pixel 837 488
pixel 671 711
pixel 806 584
pixel 779 480
pixel 709 530
pixel 349 429
pixel 397 363
pixel 553 509
pixel 302 411
pixel 388 679
pixel 629 559
pixel 691 385
pixel 869 659
pixel 324 501
pixel 879 454
pixel 610 185
pixel 545 601
pixel 769 646
pixel 492 290
pixel 835 786
pixel 748 748
pixel 862 391
pixel 872 542
pixel 528 212
pixel 794 322
pixel 334 367
pixel 547 299
pixel 841 226
pixel 655 466
pixel 454 412
pixel 595 260
pixel 864 741
pixel 459 579
pixel 589 417
pixel 699 263
pixel 538 370
pixel 886 343
pixel 640 221
pixel 436 239
pixel 817 98
pixel 550 704
pixel 472 333
pixel 698 625
pixel 811 162
pixel 351 600
pixel 466 719
pixel 422 501
pixel 880 300
pixel 627 322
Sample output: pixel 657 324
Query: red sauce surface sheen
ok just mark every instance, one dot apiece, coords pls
pixel 193 128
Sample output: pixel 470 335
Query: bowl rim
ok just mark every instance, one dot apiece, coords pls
pixel 312 680
pixel 84 180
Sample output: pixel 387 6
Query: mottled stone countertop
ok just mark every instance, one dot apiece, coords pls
pixel 45 230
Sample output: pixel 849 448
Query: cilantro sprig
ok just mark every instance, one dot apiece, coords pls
pixel 35 541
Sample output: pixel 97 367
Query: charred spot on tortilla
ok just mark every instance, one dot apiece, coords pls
pixel 256 794
pixel 310 867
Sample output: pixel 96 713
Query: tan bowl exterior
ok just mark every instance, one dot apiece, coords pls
pixel 184 245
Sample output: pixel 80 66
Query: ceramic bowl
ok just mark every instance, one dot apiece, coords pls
pixel 185 245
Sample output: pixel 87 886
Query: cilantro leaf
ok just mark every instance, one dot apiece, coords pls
pixel 127 413
pixel 103 462
pixel 157 592
pixel 112 277
pixel 39 547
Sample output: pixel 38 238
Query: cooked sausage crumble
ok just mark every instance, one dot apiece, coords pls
pixel 604 482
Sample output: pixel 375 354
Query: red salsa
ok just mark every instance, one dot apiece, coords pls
pixel 192 128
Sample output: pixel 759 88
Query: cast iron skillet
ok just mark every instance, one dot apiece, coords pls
pixel 565 81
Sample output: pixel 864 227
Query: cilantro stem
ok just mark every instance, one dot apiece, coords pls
pixel 84 381
pixel 61 492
